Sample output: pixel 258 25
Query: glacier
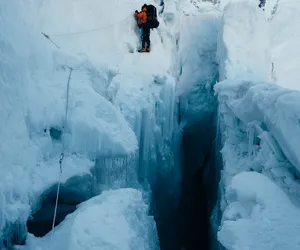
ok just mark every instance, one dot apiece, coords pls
pixel 194 145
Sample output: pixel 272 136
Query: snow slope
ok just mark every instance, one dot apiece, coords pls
pixel 114 220
pixel 258 124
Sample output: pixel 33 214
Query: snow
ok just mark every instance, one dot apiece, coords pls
pixel 285 37
pixel 243 44
pixel 259 215
pixel 113 220
pixel 267 106
pixel 259 128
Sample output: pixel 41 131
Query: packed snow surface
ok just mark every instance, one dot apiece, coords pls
pixel 114 220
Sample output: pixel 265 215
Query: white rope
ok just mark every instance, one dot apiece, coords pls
pixel 81 32
pixel 57 195
pixel 62 153
pixel 91 30
pixel 67 101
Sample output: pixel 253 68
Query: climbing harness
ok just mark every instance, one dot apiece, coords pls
pixel 62 155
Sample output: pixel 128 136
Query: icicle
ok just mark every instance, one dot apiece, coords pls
pixel 251 133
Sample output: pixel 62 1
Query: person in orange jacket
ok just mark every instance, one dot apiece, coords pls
pixel 142 24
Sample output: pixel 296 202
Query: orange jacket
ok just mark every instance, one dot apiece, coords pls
pixel 142 16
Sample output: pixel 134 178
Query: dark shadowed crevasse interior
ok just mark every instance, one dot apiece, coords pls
pixel 199 184
pixel 183 218
pixel 73 192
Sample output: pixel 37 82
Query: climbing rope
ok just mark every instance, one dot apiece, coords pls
pixel 81 32
pixel 91 30
pixel 63 150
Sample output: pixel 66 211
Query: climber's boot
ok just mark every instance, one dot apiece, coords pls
pixel 142 50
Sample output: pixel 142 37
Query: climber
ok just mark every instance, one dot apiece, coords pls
pixel 144 26
pixel 147 20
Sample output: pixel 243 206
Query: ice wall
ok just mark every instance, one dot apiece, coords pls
pixel 258 124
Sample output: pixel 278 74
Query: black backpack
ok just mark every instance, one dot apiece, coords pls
pixel 152 17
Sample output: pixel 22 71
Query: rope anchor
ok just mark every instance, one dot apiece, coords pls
pixel 48 37
pixel 61 157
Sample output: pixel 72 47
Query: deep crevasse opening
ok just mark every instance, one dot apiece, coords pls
pixel 199 72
